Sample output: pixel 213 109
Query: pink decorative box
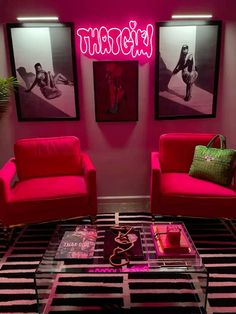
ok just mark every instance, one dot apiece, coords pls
pixel 171 243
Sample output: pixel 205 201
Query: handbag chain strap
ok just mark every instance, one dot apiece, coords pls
pixel 222 141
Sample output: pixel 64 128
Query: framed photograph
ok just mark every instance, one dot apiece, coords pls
pixel 187 69
pixel 43 61
pixel 116 90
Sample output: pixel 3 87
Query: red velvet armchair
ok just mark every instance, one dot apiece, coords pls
pixel 55 181
pixel 175 192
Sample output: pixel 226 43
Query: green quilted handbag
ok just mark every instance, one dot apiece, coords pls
pixel 214 164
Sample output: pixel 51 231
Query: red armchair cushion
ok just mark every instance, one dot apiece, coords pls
pixel 45 199
pixel 182 184
pixel 188 196
pixel 49 188
pixel 45 157
pixel 177 149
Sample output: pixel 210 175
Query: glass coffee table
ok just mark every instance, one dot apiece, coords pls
pixel 155 280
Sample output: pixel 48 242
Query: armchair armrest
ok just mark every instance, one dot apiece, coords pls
pixel 90 177
pixel 155 181
pixel 155 162
pixel 7 173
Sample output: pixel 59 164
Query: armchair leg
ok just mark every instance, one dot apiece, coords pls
pixel 92 219
pixel 7 235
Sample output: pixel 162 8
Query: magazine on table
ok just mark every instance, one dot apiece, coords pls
pixel 77 244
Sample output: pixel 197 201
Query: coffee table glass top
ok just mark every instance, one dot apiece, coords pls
pixel 149 262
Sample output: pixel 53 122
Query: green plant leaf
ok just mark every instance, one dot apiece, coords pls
pixel 7 86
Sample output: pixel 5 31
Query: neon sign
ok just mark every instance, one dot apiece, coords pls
pixel 132 269
pixel 130 40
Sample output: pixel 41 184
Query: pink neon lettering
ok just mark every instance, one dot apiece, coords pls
pixel 105 40
pixel 94 44
pixel 114 34
pixel 89 40
pixel 125 42
pixel 140 268
pixel 128 41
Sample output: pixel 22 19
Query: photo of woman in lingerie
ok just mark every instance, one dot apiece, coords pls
pixel 43 61
pixel 47 82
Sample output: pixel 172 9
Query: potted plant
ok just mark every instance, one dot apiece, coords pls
pixel 7 86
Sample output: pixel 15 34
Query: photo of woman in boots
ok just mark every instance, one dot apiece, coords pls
pixel 186 64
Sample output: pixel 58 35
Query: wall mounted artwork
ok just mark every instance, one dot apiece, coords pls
pixel 187 66
pixel 116 90
pixel 43 61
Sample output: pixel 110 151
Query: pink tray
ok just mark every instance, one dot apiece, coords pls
pixel 165 249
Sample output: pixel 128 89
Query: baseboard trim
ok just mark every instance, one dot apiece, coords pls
pixel 128 203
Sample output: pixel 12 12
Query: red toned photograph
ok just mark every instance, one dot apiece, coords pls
pixel 116 90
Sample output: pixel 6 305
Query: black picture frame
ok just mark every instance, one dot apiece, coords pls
pixel 187 69
pixel 46 49
pixel 116 90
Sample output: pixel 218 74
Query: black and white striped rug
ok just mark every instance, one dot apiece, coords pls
pixel 215 240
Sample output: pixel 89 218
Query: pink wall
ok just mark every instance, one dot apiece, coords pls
pixel 121 151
